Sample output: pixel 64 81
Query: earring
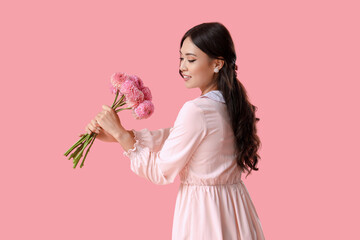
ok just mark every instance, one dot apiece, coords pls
pixel 216 70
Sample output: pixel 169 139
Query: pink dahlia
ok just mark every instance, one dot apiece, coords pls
pixel 147 93
pixel 113 89
pixel 132 94
pixel 137 81
pixel 134 98
pixel 143 110
pixel 118 78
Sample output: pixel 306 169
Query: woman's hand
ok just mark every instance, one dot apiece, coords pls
pixel 102 135
pixel 109 121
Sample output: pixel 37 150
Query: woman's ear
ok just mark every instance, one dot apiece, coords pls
pixel 219 63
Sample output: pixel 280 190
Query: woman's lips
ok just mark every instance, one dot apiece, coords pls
pixel 186 77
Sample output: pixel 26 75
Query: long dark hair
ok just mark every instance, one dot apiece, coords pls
pixel 215 40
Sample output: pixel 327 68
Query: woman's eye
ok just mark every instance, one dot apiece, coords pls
pixel 189 60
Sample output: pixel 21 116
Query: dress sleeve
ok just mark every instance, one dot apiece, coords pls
pixel 185 136
pixel 153 139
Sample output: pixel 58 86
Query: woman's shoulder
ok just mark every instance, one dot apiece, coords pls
pixel 192 106
pixel 196 110
pixel 192 117
pixel 201 102
pixel 206 105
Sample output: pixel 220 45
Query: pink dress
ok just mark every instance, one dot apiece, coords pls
pixel 212 200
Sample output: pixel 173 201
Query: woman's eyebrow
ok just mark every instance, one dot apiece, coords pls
pixel 188 53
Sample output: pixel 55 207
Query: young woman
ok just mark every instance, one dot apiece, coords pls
pixel 213 141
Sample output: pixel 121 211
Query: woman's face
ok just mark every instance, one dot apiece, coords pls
pixel 198 66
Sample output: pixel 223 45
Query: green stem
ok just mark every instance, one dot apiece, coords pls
pixel 87 151
pixel 74 154
pixel 76 144
pixel 122 109
pixel 119 102
pixel 119 106
pixel 117 94
pixel 77 158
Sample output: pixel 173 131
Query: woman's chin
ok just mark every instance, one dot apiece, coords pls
pixel 188 85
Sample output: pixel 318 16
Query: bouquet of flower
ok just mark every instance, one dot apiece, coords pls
pixel 131 90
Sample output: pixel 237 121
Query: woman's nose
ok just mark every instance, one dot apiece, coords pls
pixel 182 66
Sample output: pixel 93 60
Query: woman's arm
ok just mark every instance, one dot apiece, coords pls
pixel 126 138
pixel 153 139
pixel 108 128
pixel 161 167
pixel 104 136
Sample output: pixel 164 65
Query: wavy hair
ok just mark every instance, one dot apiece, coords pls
pixel 214 39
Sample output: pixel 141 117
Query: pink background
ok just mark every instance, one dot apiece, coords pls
pixel 299 61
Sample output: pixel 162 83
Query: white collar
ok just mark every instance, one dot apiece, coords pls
pixel 215 95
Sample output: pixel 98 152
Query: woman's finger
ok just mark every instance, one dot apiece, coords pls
pixel 87 130
pixel 91 128
pixel 95 123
